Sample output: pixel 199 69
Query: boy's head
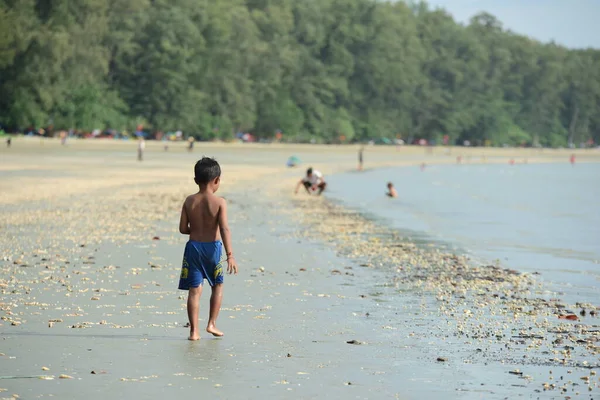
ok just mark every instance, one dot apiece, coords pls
pixel 309 172
pixel 207 172
pixel 390 185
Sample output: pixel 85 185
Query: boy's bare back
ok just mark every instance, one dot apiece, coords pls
pixel 203 217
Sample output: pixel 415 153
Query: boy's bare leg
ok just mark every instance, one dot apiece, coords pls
pixel 215 306
pixel 193 308
pixel 321 188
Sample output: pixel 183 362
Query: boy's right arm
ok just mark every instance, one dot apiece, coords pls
pixel 226 237
pixel 184 222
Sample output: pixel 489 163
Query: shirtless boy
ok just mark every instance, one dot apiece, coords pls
pixel 204 218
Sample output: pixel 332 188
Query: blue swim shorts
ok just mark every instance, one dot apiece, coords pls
pixel 201 260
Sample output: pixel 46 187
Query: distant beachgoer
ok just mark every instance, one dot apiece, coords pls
pixel 8 141
pixel 141 147
pixel 191 143
pixel 204 218
pixel 572 159
pixel 313 181
pixel 360 158
pixel 391 191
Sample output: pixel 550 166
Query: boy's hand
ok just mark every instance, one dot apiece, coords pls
pixel 232 266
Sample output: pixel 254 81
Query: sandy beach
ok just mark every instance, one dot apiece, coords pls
pixel 90 257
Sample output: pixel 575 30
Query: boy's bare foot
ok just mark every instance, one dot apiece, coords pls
pixel 194 336
pixel 213 330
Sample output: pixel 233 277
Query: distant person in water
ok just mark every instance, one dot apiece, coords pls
pixel 360 158
pixel 391 190
pixel 312 182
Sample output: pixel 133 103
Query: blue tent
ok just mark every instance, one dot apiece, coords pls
pixel 293 161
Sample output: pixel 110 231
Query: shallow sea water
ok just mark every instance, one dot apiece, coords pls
pixel 531 217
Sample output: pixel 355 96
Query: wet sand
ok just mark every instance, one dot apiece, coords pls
pixel 84 287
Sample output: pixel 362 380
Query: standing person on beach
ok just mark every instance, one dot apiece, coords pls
pixel 360 158
pixel 313 180
pixel 204 218
pixel 141 147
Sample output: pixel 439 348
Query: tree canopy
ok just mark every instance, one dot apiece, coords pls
pixel 312 69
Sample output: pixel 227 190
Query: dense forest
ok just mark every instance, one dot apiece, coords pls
pixel 320 69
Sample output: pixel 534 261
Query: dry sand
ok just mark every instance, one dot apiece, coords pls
pixel 85 288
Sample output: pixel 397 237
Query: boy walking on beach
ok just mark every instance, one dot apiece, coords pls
pixel 204 218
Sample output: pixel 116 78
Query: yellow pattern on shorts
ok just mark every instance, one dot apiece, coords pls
pixel 184 270
pixel 218 271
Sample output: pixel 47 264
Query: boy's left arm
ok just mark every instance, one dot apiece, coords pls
pixel 226 237
pixel 184 222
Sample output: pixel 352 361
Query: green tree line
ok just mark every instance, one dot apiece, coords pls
pixel 321 69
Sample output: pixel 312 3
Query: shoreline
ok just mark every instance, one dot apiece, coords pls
pixel 469 293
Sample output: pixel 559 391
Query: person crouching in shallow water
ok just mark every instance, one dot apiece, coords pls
pixel 391 191
pixel 313 181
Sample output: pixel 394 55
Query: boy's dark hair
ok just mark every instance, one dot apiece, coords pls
pixel 206 170
pixel 309 171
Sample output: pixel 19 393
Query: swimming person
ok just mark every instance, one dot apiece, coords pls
pixel 391 191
